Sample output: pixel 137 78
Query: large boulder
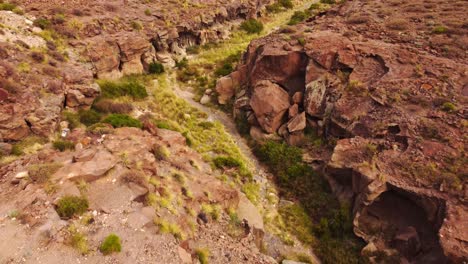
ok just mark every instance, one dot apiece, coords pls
pixel 269 102
pixel 132 47
pixel 105 56
pixel 314 99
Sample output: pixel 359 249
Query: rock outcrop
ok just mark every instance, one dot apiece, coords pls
pixel 396 113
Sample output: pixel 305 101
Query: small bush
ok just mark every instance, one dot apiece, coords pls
pixel 298 17
pixel 449 107
pixel 136 25
pixel 193 49
pixel 329 2
pixel 7 6
pixel 120 120
pixel 100 129
pixel 171 228
pixel 439 30
pixel 37 56
pixel 182 64
pixel 225 161
pixel 89 117
pixel 68 206
pixel 161 152
pixel 109 106
pixel 397 24
pixel 286 4
pixel 156 68
pixel 252 26
pixel 203 255
pixel 78 240
pixel 273 8
pixel 42 23
pixel 63 145
pixel 224 70
pixel 131 88
pixel 111 244
pixel 147 12
pixel 41 173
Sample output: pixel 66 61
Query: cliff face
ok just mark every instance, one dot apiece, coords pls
pixel 393 105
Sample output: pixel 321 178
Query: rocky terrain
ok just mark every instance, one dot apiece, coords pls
pixel 385 84
pixel 110 152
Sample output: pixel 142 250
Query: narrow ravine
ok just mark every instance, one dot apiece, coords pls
pixel 262 175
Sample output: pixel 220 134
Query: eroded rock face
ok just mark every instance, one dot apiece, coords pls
pixel 394 140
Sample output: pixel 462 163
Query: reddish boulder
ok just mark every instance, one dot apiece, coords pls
pixel 269 102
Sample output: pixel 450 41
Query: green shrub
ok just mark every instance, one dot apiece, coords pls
pixel 68 206
pixel 111 244
pixel 298 17
pixel 329 2
pixel 224 70
pixel 161 152
pixel 252 26
pixel 132 88
pixel 156 68
pixel 89 117
pixel 183 63
pixel 225 161
pixel 109 106
pixel 63 145
pixel 72 118
pixel 286 4
pixel 203 255
pixel 120 120
pixel 100 129
pixel 136 25
pixel 274 8
pixel 314 6
pixel 439 30
pixel 193 49
pixel 7 6
pixel 78 240
pixel 449 107
pixel 165 125
pixel 42 23
pixel 40 173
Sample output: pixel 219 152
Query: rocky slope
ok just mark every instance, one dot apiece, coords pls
pixel 385 83
pixel 156 203
pixel 51 55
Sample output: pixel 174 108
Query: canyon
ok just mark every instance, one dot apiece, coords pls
pixel 368 96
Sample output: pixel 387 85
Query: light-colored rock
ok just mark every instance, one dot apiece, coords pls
pixel 225 89
pixel 185 257
pixel 205 99
pixel 90 170
pixel 250 214
pixel 22 175
pixel 314 97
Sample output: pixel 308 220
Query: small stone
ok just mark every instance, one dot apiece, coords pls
pixel 22 175
pixel 205 99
